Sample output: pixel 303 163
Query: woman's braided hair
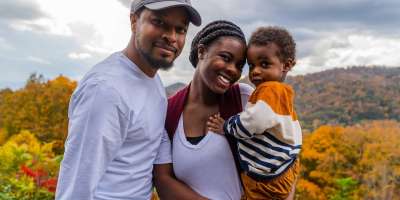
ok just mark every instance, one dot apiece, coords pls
pixel 210 33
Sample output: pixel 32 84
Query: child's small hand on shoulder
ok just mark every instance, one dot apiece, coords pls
pixel 215 124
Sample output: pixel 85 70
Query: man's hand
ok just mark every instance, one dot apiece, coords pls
pixel 215 124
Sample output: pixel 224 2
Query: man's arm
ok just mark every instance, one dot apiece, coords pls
pixel 94 137
pixel 170 188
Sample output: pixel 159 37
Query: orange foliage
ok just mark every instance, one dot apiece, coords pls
pixel 40 107
pixel 368 153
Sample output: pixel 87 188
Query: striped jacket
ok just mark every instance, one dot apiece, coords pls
pixel 268 131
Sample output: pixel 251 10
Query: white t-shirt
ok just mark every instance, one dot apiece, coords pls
pixel 208 167
pixel 116 121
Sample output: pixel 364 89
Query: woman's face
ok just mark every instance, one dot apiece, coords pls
pixel 221 62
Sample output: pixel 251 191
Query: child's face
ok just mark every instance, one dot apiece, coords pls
pixel 264 63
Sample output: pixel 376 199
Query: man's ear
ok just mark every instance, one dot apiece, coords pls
pixel 133 18
pixel 201 51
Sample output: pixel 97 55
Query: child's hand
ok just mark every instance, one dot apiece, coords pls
pixel 215 124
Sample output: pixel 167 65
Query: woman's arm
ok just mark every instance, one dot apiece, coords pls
pixel 169 187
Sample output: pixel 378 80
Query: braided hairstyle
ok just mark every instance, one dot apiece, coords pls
pixel 212 32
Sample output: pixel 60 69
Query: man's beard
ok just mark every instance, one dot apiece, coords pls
pixel 154 63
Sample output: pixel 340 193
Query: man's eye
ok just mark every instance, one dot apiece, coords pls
pixel 157 22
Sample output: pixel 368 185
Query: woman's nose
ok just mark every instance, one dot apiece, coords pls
pixel 233 70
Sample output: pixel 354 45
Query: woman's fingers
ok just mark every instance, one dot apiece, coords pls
pixel 212 124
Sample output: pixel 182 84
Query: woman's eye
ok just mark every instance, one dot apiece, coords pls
pixel 240 66
pixel 225 58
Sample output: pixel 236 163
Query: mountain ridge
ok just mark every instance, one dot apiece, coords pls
pixel 343 96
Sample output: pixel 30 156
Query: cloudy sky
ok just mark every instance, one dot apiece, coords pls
pixel 53 37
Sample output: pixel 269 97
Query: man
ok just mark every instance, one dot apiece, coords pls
pixel 117 112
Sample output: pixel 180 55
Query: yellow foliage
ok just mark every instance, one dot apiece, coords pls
pixel 40 107
pixel 25 148
pixel 368 153
pixel 26 141
pixel 3 136
pixel 309 190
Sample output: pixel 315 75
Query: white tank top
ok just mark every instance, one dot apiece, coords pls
pixel 208 167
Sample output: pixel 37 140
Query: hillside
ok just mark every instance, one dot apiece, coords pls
pixel 345 96
pixel 337 96
pixel 354 160
pixel 171 89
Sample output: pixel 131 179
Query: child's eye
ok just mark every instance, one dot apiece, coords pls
pixel 181 30
pixel 264 64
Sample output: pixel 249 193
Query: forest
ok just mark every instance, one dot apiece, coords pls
pixel 350 117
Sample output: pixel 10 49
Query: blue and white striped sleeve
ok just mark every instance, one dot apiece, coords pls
pixel 255 119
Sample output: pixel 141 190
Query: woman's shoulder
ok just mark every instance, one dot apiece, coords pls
pixel 245 89
pixel 245 92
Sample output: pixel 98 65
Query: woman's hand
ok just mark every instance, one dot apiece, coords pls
pixel 215 124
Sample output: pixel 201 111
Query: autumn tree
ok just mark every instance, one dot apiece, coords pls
pixel 360 162
pixel 347 96
pixel 40 107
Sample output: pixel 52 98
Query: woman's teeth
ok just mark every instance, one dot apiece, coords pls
pixel 225 80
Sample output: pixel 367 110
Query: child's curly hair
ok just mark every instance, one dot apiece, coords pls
pixel 278 35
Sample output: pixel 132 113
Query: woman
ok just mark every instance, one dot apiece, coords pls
pixel 203 160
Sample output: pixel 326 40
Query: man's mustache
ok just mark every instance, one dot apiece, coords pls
pixel 164 45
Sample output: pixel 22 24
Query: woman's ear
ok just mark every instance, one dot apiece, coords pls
pixel 201 51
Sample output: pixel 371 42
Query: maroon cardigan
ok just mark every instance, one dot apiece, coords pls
pixel 229 104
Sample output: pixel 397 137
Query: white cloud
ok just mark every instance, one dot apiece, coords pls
pixel 4 45
pixel 42 25
pixel 350 49
pixel 108 20
pixel 79 56
pixel 38 60
pixel 20 9
pixel 70 36
pixel 96 49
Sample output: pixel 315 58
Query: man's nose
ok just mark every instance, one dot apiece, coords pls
pixel 170 35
